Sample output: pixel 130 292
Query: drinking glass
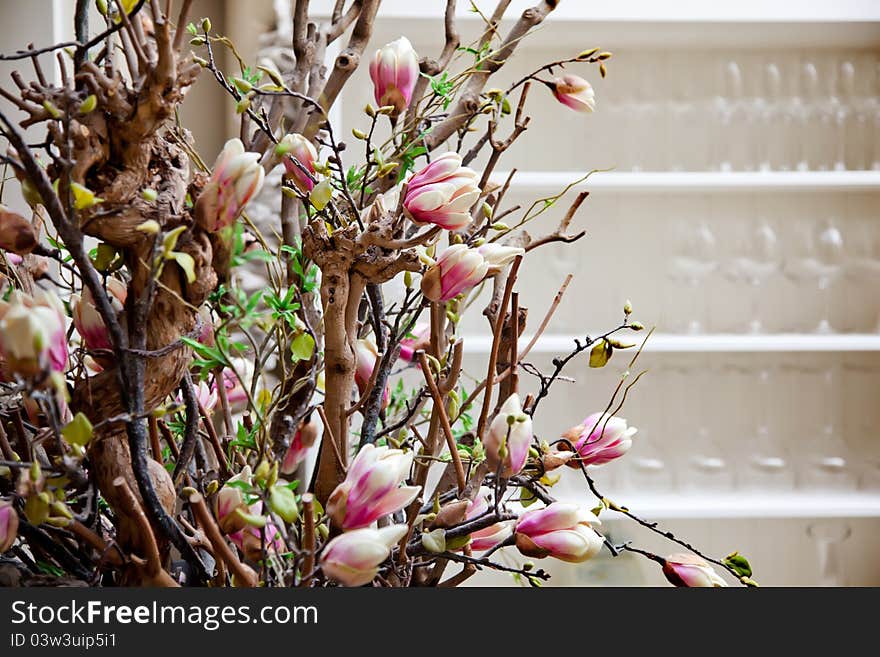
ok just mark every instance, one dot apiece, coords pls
pixel 863 271
pixel 731 121
pixel 768 462
pixel 693 261
pixel 757 258
pixel 829 536
pixel 817 261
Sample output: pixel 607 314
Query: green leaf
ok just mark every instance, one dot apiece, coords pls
pixel 321 194
pixel 186 262
pixel 302 347
pixel 283 502
pixel 739 563
pixel 83 197
pixel 78 431
pixel 601 353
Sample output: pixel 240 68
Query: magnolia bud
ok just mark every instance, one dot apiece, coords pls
pixel 17 234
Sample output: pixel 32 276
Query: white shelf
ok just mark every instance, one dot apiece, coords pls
pixel 692 11
pixel 552 182
pixel 721 342
pixel 700 505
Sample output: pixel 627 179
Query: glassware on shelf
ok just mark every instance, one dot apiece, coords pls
pixel 694 260
pixel 818 261
pixel 769 466
pixel 826 465
pixel 757 259
pixel 863 272
pixel 863 422
pixel 829 536
pixel 732 122
pixel 648 469
pixel 814 121
pixel 773 121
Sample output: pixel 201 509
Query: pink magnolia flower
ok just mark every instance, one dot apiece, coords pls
pixel 394 71
pixel 562 530
pixel 230 499
pixel 32 333
pixel 489 537
pixel 372 487
pixel 236 179
pixel 457 270
pixel 574 92
pixel 498 256
pixel 236 388
pixel 600 438
pixel 207 396
pixel 353 558
pixel 442 193
pixel 421 333
pixel 250 539
pixel 367 359
pixel 8 525
pixel 295 146
pixel 508 439
pixel 13 258
pixel 299 447
pixel 691 571
pixel 87 319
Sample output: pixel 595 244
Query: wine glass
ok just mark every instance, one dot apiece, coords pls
pixel 773 120
pixel 818 261
pixel 768 463
pixel 863 270
pixel 731 139
pixel 829 536
pixel 648 467
pixel 694 259
pixel 757 259
pixel 826 464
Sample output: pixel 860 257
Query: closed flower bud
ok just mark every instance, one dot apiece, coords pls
pixel 394 71
pixel 488 537
pixel 508 439
pixel 236 179
pixel 600 438
pixel 17 234
pixel 367 361
pixel 295 146
pixel 230 499
pixel 8 525
pixel 372 488
pixel 421 338
pixel 562 530
pixel 689 570
pixel 87 319
pixel 442 193
pixel 303 440
pixel 32 334
pixel 574 92
pixel 457 270
pixel 353 558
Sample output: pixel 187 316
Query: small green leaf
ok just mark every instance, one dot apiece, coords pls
pixel 739 563
pixel 302 347
pixel 435 541
pixel 186 262
pixel 83 197
pixel 252 519
pixel 282 501
pixel 601 353
pixel 78 431
pixel 321 194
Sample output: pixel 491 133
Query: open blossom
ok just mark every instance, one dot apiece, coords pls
pixel 394 71
pixel 498 256
pixel 489 537
pixel 302 441
pixel 458 269
pixel 508 439
pixel 235 180
pixel 562 530
pixel 32 333
pixel 295 146
pixel 372 487
pixel 574 92
pixel 367 359
pixel 8 525
pixel 87 319
pixel 353 558
pixel 691 571
pixel 442 193
pixel 600 438
pixel 421 338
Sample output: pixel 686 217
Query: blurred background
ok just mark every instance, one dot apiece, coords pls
pixel 737 208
